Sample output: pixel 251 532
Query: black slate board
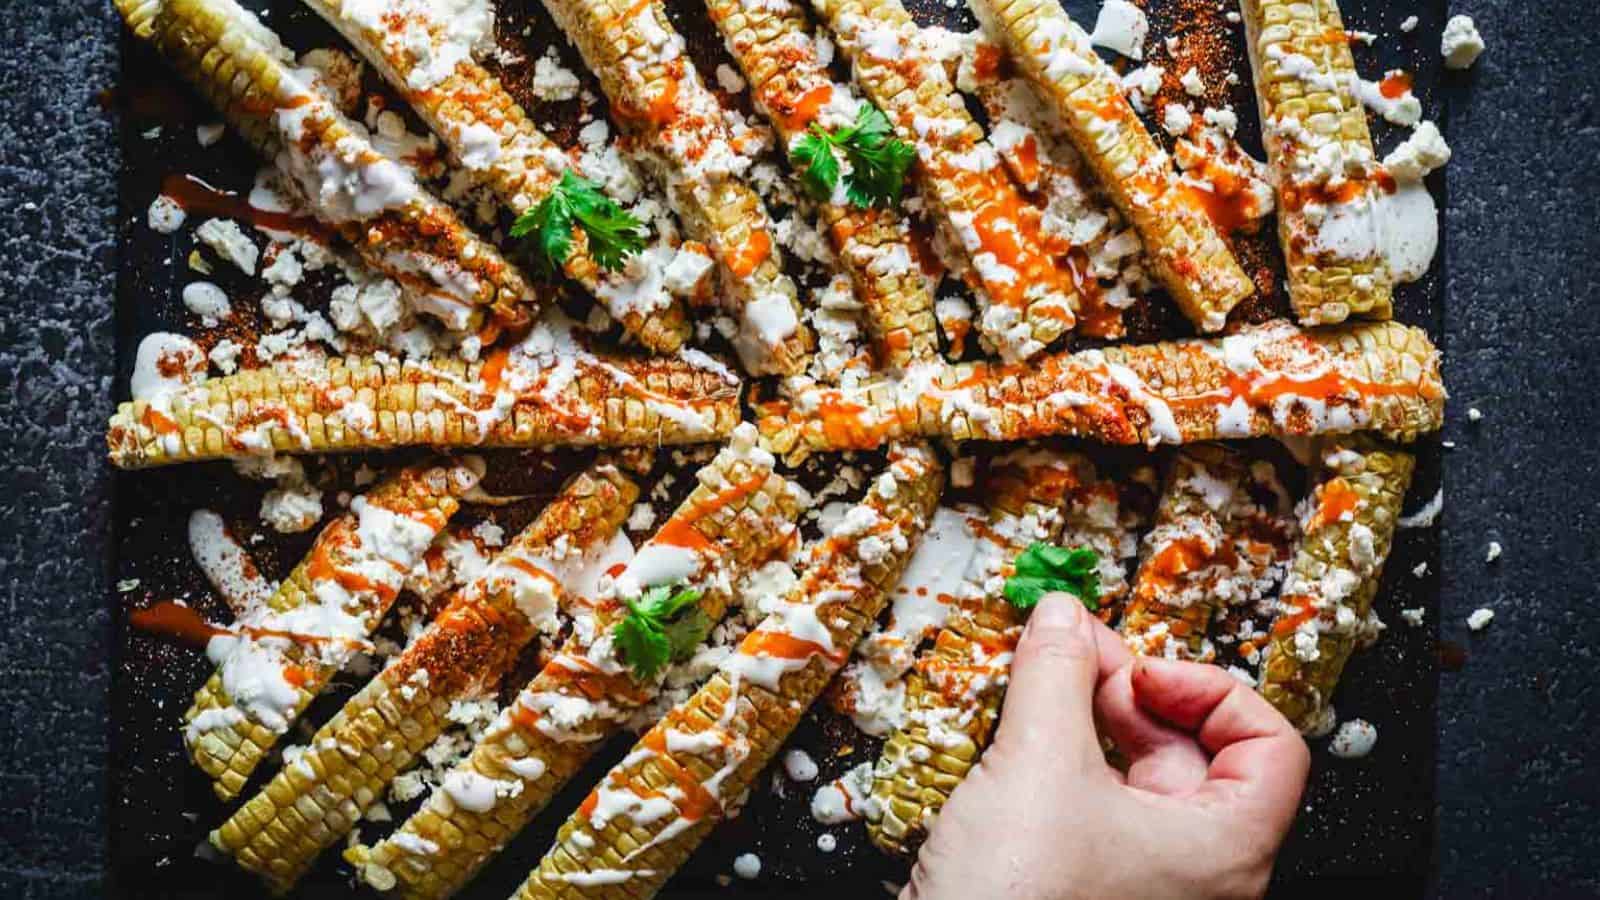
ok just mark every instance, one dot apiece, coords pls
pixel 1367 823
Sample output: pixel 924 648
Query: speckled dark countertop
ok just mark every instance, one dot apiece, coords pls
pixel 1518 801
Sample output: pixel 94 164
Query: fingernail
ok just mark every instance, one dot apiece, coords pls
pixel 1057 610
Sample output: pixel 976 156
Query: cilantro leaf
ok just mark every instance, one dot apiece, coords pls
pixel 1043 568
pixel 878 160
pixel 662 625
pixel 613 233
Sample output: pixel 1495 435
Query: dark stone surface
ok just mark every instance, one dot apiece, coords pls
pixel 1517 801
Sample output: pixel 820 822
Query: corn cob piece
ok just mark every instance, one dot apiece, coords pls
pixel 1202 553
pixel 1028 299
pixel 318 798
pixel 740 514
pixel 651 811
pixel 953 695
pixel 395 225
pixel 489 133
pixel 278 662
pixel 547 389
pixel 656 93
pixel 773 45
pixel 1273 379
pixel 1323 612
pixel 1183 247
pixel 1315 132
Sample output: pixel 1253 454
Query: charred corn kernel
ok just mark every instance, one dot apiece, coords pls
pixel 316 799
pixel 773 45
pixel 953 695
pixel 1323 611
pixel 395 225
pixel 1315 131
pixel 1272 379
pixel 490 134
pixel 1185 251
pixel 275 664
pixel 739 514
pixel 1028 299
pixel 649 812
pixel 656 93
pixel 546 390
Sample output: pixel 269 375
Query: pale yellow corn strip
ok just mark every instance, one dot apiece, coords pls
pixel 709 749
pixel 509 399
pixel 227 739
pixel 743 511
pixel 1273 379
pixel 489 133
pixel 1337 565
pixel 957 686
pixel 1304 116
pixel 316 799
pixel 1028 299
pixel 656 93
pixel 395 226
pixel 774 47
pixel 1185 251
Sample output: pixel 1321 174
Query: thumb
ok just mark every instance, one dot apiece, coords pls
pixel 1049 705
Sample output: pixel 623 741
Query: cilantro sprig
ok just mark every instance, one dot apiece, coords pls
pixel 1043 568
pixel 663 625
pixel 614 234
pixel 878 160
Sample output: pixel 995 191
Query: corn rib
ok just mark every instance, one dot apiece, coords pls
pixel 953 696
pixel 1273 379
pixel 272 667
pixel 739 514
pixel 396 226
pixel 1315 132
pixel 1323 612
pixel 656 93
pixel 315 800
pixel 773 45
pixel 1028 299
pixel 490 134
pixel 651 811
pixel 1184 248
pixel 548 389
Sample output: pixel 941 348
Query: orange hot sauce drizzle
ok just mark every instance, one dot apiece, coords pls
pixel 1335 499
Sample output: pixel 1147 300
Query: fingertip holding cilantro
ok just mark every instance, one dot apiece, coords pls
pixel 663 625
pixel 1043 568
pixel 878 160
pixel 614 234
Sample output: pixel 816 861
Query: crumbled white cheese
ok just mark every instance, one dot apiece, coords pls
pixel 1409 24
pixel 165 215
pixel 229 241
pixel 1493 552
pixel 209 133
pixel 799 765
pixel 292 509
pixel 1176 120
pixel 1419 570
pixel 1121 27
pixel 827 843
pixel 1474 414
pixel 1223 119
pixel 641 517
pixel 1420 153
pixel 1480 618
pixel 1461 44
pixel 747 866
pixel 1192 84
pixel 1141 85
pixel 207 301
pixel 728 79
pixel 553 81
pixel 1355 739
pixel 1413 617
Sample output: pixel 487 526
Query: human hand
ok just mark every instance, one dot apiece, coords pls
pixel 1214 779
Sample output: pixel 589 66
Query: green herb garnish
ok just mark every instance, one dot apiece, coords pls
pixel 614 234
pixel 1043 568
pixel 663 625
pixel 878 160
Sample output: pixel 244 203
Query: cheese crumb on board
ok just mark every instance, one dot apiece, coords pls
pixel 1354 739
pixel 1121 27
pixel 747 866
pixel 1480 619
pixel 1461 43
pixel 1493 553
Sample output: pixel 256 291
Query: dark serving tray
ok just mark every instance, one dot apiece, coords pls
pixel 1364 823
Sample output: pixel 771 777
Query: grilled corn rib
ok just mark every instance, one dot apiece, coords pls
pixel 374 203
pixel 547 389
pixel 1324 607
pixel 1317 141
pixel 656 93
pixel 953 696
pixel 1183 247
pixel 651 811
pixel 1029 300
pixel 739 514
pixel 276 663
pixel 1186 555
pixel 1273 379
pixel 773 45
pixel 489 133
pixel 315 800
